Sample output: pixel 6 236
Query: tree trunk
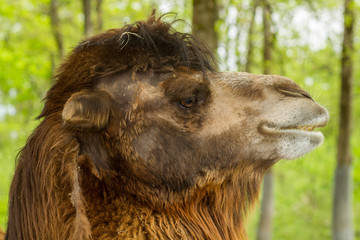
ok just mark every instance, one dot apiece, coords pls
pixel 99 22
pixel 267 205
pixel 237 40
pixel 342 217
pixel 265 224
pixel 249 37
pixel 205 15
pixel 87 17
pixel 55 27
pixel 267 51
pixel 227 40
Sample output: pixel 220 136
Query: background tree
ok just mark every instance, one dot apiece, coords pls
pixel 87 17
pixel 205 15
pixel 250 44
pixel 99 20
pixel 342 209
pixel 267 203
pixel 56 28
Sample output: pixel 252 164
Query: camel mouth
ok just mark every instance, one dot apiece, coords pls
pixel 291 129
pixel 297 128
pixel 302 132
pixel 295 140
pixel 307 128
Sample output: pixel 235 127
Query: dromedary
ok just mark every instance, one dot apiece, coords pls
pixel 141 139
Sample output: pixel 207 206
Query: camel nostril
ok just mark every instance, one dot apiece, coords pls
pixel 305 94
pixel 293 92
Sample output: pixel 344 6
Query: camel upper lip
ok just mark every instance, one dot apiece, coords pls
pixel 300 127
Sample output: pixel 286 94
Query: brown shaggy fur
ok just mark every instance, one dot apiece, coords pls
pixel 121 152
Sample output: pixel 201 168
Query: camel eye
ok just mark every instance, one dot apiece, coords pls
pixel 189 102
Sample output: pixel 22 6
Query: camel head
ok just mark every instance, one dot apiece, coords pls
pixel 146 105
pixel 177 130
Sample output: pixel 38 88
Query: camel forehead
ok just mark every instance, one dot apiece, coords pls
pixel 250 84
pixel 122 81
pixel 243 79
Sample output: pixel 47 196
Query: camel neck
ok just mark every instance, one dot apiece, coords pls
pixel 125 219
pixel 220 214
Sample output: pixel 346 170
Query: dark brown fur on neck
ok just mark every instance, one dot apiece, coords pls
pixel 217 211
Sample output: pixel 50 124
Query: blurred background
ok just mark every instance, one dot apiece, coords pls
pixel 314 42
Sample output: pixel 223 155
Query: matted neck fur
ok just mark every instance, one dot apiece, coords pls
pixel 141 139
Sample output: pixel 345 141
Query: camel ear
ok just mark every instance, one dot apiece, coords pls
pixel 88 109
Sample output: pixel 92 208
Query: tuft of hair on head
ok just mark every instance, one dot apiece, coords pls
pixel 154 43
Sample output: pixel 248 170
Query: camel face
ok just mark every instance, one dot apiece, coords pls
pixel 181 126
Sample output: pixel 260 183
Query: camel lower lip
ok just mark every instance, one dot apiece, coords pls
pixel 299 132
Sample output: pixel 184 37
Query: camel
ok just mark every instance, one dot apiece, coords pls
pixel 141 138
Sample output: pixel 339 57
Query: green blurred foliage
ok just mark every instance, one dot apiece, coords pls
pixel 303 188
